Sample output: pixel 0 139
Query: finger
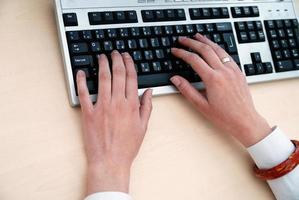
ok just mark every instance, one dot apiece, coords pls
pixel 197 63
pixel 119 75
pixel 204 50
pixel 146 106
pixel 191 94
pixel 104 91
pixel 131 78
pixel 218 50
pixel 83 93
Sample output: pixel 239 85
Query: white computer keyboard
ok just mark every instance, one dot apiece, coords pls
pixel 261 35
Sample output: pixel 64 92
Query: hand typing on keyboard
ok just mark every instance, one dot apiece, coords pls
pixel 226 102
pixel 115 126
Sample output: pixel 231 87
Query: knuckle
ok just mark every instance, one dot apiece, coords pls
pixel 104 76
pixel 118 70
pixel 206 47
pixel 192 57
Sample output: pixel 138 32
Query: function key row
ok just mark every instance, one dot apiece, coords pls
pixel 250 31
pixel 208 13
pixel 249 11
pixel 115 17
pixel 163 15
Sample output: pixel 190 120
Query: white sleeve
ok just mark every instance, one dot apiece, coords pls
pixel 268 153
pixel 109 196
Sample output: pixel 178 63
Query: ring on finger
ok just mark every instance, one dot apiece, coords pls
pixel 225 60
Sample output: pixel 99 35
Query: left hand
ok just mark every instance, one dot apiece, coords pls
pixel 115 126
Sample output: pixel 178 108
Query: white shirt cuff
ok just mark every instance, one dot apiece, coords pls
pixel 272 150
pixel 109 196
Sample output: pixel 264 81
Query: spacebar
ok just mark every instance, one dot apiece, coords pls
pixel 155 80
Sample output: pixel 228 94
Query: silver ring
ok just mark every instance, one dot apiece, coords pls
pixel 225 60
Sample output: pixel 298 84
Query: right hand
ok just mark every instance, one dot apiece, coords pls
pixel 227 101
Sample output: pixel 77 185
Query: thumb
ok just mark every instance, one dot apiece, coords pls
pixel 190 93
pixel 146 106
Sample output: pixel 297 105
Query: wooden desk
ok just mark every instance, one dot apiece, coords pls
pixel 41 151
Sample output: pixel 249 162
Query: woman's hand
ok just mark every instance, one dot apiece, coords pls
pixel 115 126
pixel 226 102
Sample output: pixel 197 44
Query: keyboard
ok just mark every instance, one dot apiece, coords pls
pixel 261 36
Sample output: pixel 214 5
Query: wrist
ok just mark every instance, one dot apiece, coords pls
pixel 257 129
pixel 106 177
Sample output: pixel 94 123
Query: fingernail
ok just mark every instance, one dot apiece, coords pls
pixel 151 91
pixel 126 54
pixel 175 80
pixel 181 38
pixel 174 49
pixel 80 73
pixel 198 35
pixel 114 51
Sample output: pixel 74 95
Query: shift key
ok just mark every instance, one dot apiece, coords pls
pixel 79 61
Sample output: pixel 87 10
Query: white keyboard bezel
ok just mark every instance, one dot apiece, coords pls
pixel 244 49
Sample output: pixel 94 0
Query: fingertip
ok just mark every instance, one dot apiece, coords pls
pixel 80 74
pixel 175 80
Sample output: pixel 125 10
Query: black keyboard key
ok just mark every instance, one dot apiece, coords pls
pixel 87 35
pixel 158 30
pixel 85 70
pixel 157 66
pixel 286 54
pixel 240 26
pixel 255 11
pixel 287 23
pixel 99 34
pixel 73 35
pixel 296 64
pixel 277 55
pixel 210 27
pixel 143 43
pixel 80 61
pixel 148 15
pixel 190 29
pixel 195 13
pixel 108 17
pixel 131 16
pixel 168 30
pixel 216 12
pixel 146 31
pixel 270 24
pixel 256 57
pixel 223 27
pixel 70 19
pixel 279 23
pixel 259 68
pixel 247 11
pixel 132 44
pixel 282 66
pixel 159 53
pixel 120 16
pixel 135 31
pixel 160 15
pixel 206 13
pixel 137 56
pixel 179 29
pixel 252 36
pixel 249 70
pixel 224 12
pixel 92 86
pixel 237 12
pixel 170 14
pixel 145 68
pixel 250 25
pixel 199 28
pixel 120 45
pixel 295 53
pixel 165 41
pixel 258 25
pixel 124 32
pixel 148 55
pixel 111 33
pixel 180 14
pixel 268 67
pixel 108 46
pixel 95 18
pixel 95 47
pixel 78 48
pixel 236 58
pixel 230 42
pixel 154 42
pixel 261 36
